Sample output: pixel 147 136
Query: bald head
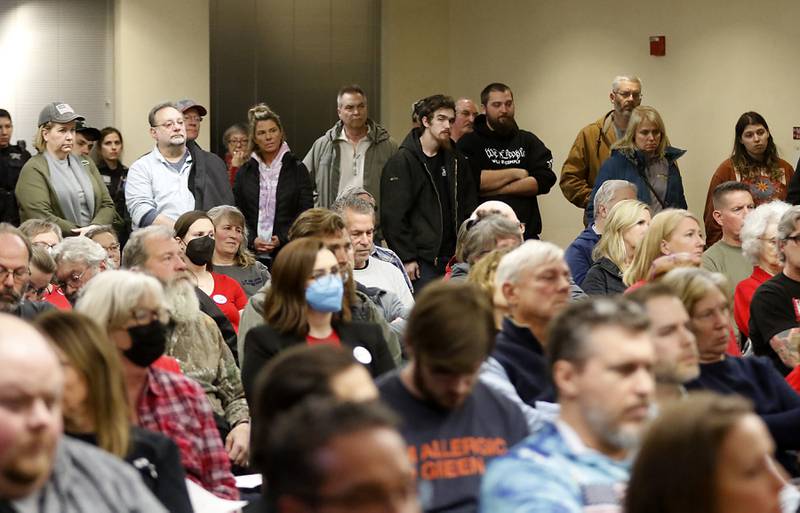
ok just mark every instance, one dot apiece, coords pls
pixel 31 385
pixel 496 207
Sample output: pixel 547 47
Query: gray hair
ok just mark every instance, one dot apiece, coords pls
pixel 787 225
pixel 151 116
pixel 529 255
pixel 33 227
pixel 606 192
pixel 353 191
pixel 79 249
pixel 135 253
pixel 481 236
pixel 110 297
pixel 101 229
pixel 354 203
pixel 755 226
pixel 625 78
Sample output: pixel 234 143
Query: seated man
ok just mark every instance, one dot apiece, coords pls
pixel 40 469
pixel 579 252
pixel 328 456
pixel 732 203
pixel 359 220
pixel 453 423
pixel 479 235
pixel 15 257
pixel 601 361
pixel 196 342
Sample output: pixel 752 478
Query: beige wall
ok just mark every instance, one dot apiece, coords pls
pixel 724 57
pixel 161 52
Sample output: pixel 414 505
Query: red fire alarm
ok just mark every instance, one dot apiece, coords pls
pixel 658 46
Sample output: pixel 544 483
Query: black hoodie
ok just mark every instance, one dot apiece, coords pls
pixel 411 208
pixel 486 149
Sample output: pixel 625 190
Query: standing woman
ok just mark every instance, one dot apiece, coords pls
pixel 644 158
pixel 57 186
pixel 754 161
pixel 234 140
pixel 107 155
pixel 273 187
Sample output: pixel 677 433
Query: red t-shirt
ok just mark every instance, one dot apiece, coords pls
pixel 229 297
pixel 330 340
pixel 57 299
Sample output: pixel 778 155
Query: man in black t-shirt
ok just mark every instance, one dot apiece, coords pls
pixel 453 424
pixel 427 191
pixel 775 309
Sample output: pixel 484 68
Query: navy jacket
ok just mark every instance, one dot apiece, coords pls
pixel 523 358
pixel 579 254
pixel 623 166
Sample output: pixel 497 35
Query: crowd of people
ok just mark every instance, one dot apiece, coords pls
pixel 377 327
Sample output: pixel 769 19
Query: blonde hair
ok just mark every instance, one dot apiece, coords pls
pixel 661 228
pixel 221 213
pixel 483 272
pixel 38 139
pixel 639 115
pixel 622 217
pixel 260 112
pixel 691 285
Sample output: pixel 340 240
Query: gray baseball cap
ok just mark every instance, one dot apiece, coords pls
pixel 58 112
pixel 186 104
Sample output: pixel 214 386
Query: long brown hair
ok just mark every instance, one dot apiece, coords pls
pixel 285 304
pixel 676 468
pixel 89 351
pixel 742 161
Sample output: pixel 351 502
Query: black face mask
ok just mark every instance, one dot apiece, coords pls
pixel 200 250
pixel 148 343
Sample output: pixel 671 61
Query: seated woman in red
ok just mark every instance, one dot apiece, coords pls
pixel 759 245
pixel 195 232
pixel 306 305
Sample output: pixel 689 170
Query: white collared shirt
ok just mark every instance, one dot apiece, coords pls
pixel 351 161
pixel 154 184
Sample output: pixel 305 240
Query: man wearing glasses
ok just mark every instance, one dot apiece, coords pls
pixel 15 256
pixel 592 146
pixel 208 177
pixel 157 191
pixel 775 309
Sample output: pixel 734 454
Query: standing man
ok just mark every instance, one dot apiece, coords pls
pixel 732 204
pixel 514 166
pixel 453 423
pixel 208 177
pixel 85 139
pixel 157 191
pixel 428 191
pixel 465 118
pixel 592 146
pixel 12 158
pixel 352 153
pixel 601 361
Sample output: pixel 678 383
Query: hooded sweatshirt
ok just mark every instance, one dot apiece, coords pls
pixel 487 150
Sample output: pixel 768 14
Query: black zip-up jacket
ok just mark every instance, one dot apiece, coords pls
pixel 295 195
pixel 486 149
pixel 411 213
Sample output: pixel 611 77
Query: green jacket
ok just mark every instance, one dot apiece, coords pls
pixel 38 200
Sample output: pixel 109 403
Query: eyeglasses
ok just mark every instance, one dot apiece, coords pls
pixel 112 247
pixel 793 238
pixel 44 245
pixel 20 274
pixel 145 315
pixel 237 141
pixel 629 94
pixel 167 125
pixel 771 240
pixel 74 278
pixel 192 117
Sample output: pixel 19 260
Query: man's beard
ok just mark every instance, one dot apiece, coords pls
pixel 10 299
pixel 618 437
pixel 182 301
pixel 503 125
pixel 445 142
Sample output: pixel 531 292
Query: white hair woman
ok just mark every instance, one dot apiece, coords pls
pixel 760 246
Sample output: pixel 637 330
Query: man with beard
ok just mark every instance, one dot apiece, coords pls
pixel 196 342
pixel 592 146
pixel 12 158
pixel 78 260
pixel 41 470
pixel 601 360
pixel 15 257
pixel 465 118
pixel 428 190
pixel 157 190
pixel 512 165
pixel 454 424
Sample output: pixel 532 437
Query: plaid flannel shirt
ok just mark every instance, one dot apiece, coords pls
pixel 176 406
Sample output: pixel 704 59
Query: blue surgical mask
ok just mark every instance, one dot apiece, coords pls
pixel 325 293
